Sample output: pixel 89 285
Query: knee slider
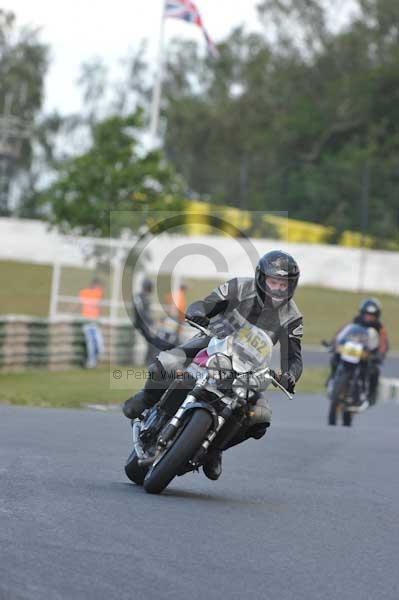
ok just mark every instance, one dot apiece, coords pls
pixel 257 431
pixel 157 374
pixel 155 370
pixel 134 406
pixel 157 382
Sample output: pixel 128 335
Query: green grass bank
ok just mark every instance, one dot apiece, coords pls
pixel 78 388
pixel 26 288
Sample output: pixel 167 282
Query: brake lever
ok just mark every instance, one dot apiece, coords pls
pixel 199 327
pixel 270 377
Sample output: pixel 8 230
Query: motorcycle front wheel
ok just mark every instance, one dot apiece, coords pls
pixel 340 385
pixel 185 446
pixel 347 418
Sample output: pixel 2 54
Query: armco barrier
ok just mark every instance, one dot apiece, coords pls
pixel 27 342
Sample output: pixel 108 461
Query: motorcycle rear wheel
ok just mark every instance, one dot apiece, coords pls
pixel 184 447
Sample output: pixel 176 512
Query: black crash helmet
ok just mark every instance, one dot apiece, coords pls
pixel 279 265
pixel 371 307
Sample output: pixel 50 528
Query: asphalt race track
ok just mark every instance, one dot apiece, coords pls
pixel 311 512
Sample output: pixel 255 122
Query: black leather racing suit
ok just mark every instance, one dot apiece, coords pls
pixel 238 299
pixel 234 302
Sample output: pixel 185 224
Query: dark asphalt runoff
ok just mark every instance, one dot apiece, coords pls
pixel 307 513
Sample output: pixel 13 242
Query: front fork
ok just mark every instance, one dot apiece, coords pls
pixel 226 429
pixel 220 420
pixel 190 403
pixel 171 428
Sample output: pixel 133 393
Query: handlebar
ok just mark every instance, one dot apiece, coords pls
pixel 326 344
pixel 204 330
pixel 269 374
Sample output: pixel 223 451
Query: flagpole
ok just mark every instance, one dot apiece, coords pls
pixel 157 90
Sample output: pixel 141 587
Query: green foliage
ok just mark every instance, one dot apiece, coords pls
pixel 112 175
pixel 23 64
pixel 291 124
pixel 286 119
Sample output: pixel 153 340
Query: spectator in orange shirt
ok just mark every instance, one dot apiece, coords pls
pixel 143 318
pixel 176 304
pixel 181 302
pixel 90 310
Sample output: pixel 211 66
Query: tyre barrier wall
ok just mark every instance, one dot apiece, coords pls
pixel 27 342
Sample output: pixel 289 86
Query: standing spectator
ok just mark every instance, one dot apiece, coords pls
pixel 180 301
pixel 143 318
pixel 90 307
pixel 176 303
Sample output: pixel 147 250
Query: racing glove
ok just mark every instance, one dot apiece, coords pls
pixel 197 316
pixel 287 380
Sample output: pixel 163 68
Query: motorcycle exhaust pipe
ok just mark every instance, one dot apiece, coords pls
pixel 359 409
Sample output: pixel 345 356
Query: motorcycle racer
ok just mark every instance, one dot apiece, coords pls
pixel 266 301
pixel 369 316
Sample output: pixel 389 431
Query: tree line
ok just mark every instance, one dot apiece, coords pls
pixel 300 116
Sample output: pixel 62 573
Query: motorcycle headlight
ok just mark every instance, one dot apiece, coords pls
pixel 246 386
pixel 219 367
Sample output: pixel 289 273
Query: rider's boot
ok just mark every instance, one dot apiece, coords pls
pixel 157 383
pixel 255 432
pixel 213 466
pixel 135 406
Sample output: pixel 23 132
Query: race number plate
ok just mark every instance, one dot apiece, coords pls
pixel 252 347
pixel 351 352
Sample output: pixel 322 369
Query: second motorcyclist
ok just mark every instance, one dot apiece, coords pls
pixel 266 301
pixel 369 315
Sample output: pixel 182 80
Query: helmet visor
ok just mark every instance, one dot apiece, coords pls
pixel 369 317
pixel 278 289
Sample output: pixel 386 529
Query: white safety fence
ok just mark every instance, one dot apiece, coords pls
pixel 336 267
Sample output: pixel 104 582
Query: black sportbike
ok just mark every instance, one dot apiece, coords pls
pixel 348 387
pixel 203 408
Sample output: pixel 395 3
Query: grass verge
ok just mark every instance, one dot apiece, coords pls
pixel 70 389
pixel 313 381
pixel 77 388
pixel 25 289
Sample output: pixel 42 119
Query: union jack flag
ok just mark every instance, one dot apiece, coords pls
pixel 187 11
